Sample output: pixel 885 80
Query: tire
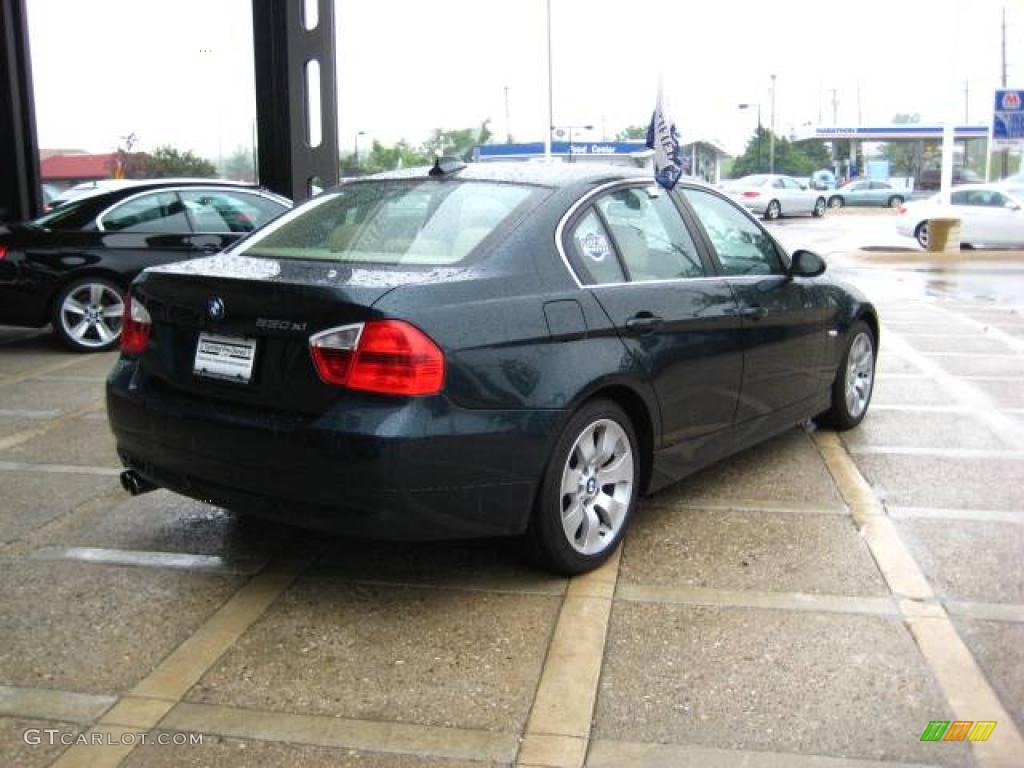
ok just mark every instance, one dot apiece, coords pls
pixel 572 487
pixel 773 211
pixel 921 233
pixel 836 202
pixel 855 380
pixel 88 313
pixel 819 208
pixel 895 202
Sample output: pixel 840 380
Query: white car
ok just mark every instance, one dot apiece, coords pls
pixel 772 195
pixel 989 215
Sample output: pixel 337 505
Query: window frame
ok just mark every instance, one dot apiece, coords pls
pixel 179 188
pixel 226 191
pixel 780 252
pixel 566 229
pixel 131 199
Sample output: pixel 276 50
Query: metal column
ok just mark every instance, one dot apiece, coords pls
pixel 284 49
pixel 19 149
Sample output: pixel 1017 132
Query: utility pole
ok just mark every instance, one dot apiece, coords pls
pixel 835 107
pixel 508 123
pixel 771 138
pixel 967 102
pixel 551 98
pixel 1006 152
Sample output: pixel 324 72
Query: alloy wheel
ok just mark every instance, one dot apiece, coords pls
pixel 91 314
pixel 597 487
pixel 922 234
pixel 860 375
pixel 773 211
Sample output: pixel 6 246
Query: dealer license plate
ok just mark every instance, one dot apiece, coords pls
pixel 225 357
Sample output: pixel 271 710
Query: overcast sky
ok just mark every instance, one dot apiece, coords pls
pixel 181 72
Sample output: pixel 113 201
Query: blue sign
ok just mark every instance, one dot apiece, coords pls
pixel 531 149
pixel 1008 119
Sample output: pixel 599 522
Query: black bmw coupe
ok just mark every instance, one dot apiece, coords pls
pixel 72 266
pixel 483 350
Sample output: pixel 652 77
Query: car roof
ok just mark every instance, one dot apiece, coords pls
pixel 557 174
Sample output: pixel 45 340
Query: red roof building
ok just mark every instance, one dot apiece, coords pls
pixel 72 169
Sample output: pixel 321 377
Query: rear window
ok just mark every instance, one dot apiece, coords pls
pixel 420 222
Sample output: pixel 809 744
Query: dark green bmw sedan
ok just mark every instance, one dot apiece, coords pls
pixel 484 350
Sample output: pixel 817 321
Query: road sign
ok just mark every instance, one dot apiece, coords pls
pixel 1008 119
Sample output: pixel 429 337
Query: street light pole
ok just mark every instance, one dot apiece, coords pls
pixel 771 137
pixel 551 107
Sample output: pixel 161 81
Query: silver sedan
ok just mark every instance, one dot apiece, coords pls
pixel 773 195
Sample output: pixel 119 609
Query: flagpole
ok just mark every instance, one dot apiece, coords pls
pixel 551 109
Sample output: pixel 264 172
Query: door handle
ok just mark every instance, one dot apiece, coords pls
pixel 754 313
pixel 643 323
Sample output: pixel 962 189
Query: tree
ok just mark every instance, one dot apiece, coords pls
pixel 905 158
pixel 457 143
pixel 167 161
pixel 632 133
pixel 793 158
pixel 401 155
pixel 239 165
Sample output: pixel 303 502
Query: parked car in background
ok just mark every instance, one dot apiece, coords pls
pixel 823 179
pixel 70 267
pixel 867 192
pixel 484 350
pixel 86 188
pixel 930 178
pixel 49 193
pixel 774 196
pixel 988 216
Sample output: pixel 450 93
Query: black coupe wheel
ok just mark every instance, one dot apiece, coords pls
pixel 819 208
pixel 588 492
pixel 773 211
pixel 88 314
pixel 855 380
pixel 835 202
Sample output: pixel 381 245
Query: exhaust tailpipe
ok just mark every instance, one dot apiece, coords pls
pixel 135 483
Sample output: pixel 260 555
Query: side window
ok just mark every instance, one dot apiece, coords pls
pixel 594 250
pixel 651 235
pixel 959 198
pixel 791 184
pixel 219 211
pixel 997 199
pixel 779 184
pixel 743 248
pixel 880 185
pixel 159 212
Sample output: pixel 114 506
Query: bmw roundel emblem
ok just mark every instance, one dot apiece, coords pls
pixel 215 309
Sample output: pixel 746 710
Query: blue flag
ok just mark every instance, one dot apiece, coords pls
pixel 663 138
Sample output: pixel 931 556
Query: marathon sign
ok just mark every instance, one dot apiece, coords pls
pixel 1008 119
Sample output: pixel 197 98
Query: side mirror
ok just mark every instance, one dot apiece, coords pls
pixel 1012 206
pixel 806 264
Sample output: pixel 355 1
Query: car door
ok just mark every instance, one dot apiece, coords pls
pixel 145 230
pixel 994 219
pixel 652 278
pixel 858 193
pixel 784 317
pixel 220 217
pixel 801 200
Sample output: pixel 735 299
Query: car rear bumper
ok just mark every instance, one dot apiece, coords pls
pixel 413 468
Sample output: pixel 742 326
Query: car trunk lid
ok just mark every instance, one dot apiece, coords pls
pixel 262 309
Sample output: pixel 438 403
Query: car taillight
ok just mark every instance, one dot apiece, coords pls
pixel 135 328
pixel 3 252
pixel 389 357
pixel 751 193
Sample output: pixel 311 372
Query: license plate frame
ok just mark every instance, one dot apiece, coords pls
pixel 225 358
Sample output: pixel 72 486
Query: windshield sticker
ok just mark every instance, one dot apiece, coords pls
pixel 595 246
